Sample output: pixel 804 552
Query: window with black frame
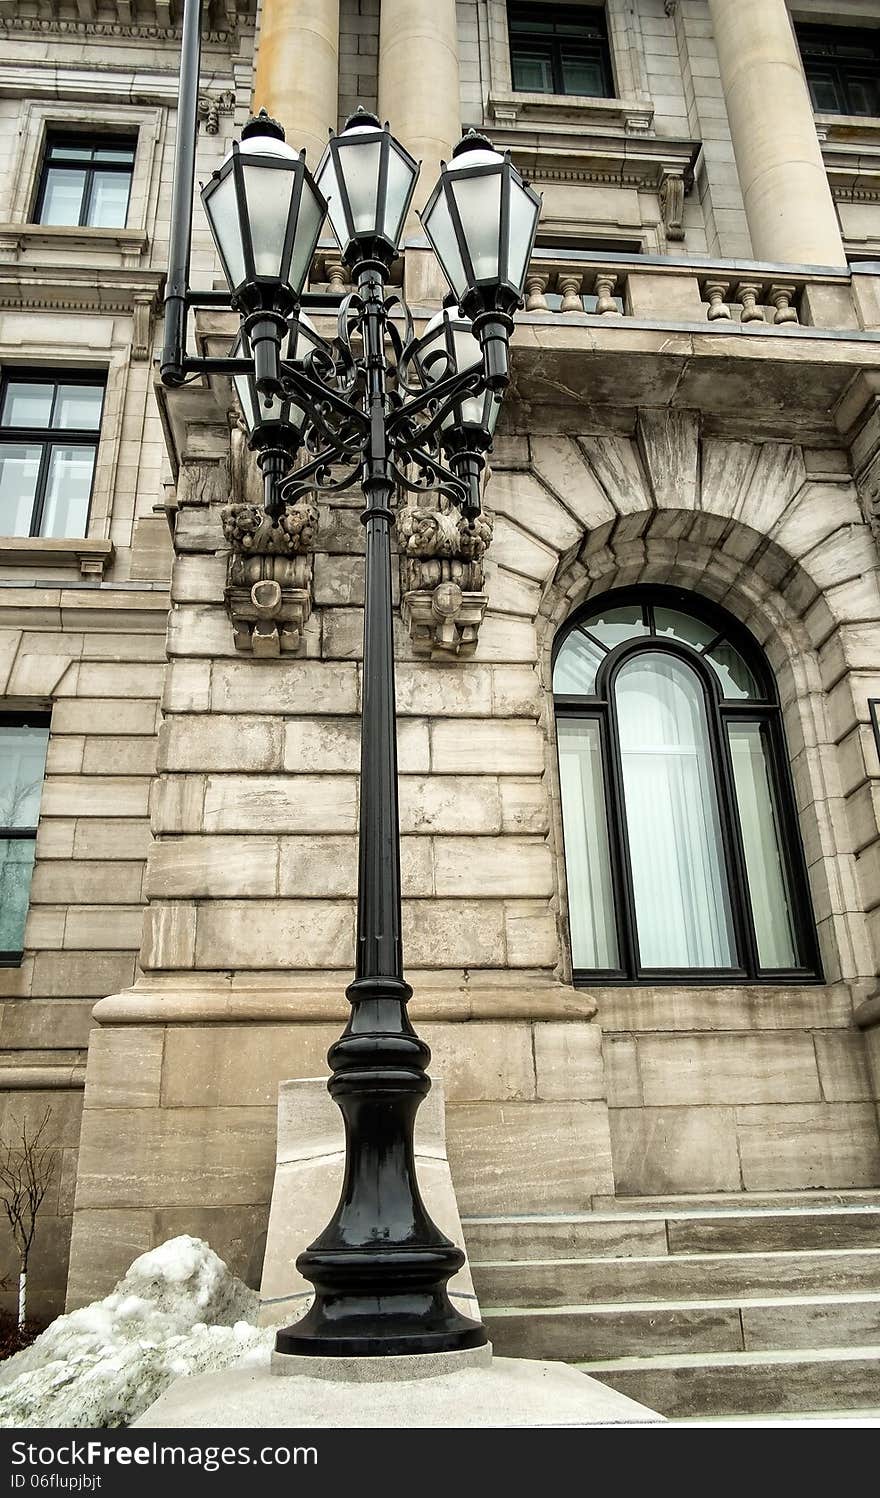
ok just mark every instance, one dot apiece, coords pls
pixel 85 182
pixel 560 49
pixel 49 429
pixel 24 738
pixel 842 67
pixel 682 847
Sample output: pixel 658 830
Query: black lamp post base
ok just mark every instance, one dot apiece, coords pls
pixel 385 1326
pixel 394 1302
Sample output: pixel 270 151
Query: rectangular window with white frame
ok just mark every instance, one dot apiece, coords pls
pixel 24 739
pixel 50 424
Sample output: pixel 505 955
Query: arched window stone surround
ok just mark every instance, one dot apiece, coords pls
pixel 774 534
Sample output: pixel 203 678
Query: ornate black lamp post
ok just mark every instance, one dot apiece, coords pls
pixel 375 406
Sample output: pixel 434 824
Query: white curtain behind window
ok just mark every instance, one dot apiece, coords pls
pixel 679 876
pixel 771 908
pixel 593 936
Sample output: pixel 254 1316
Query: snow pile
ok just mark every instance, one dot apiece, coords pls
pixel 177 1311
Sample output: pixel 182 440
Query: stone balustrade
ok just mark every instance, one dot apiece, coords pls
pixel 667 289
pixel 651 288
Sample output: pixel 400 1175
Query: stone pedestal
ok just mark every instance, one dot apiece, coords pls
pixel 308 1178
pixel 446 1390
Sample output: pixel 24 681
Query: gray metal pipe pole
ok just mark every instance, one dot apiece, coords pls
pixel 177 284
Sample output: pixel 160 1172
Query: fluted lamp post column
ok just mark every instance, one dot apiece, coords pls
pixel 367 408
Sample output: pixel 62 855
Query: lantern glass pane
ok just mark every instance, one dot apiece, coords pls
pixel 222 211
pixel 268 191
pixel 439 228
pixel 246 393
pixel 308 229
pixel 523 217
pixel 293 416
pixel 359 161
pixel 328 184
pixel 479 207
pixel 467 348
pixel 397 194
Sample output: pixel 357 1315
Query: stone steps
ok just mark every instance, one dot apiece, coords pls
pixel 560 1282
pixel 866 1416
pixel 572 1333
pixel 747 1383
pixel 696 1308
pixel 634 1234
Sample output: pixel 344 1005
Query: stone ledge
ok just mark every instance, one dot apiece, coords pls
pixel 258 1005
pixel 74 238
pixel 16 1078
pixel 91 553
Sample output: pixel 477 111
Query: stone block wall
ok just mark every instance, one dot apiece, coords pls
pixel 102 684
pixel 89 645
pixel 358 56
pixel 738 1090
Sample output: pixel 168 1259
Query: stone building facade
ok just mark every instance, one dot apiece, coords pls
pixel 695 408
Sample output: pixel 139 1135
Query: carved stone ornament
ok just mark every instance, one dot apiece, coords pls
pixel 442 580
pixel 269 578
pixel 211 106
pixel 672 204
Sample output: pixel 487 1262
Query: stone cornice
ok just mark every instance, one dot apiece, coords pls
pixel 592 158
pixel 222 27
pixel 107 29
pixel 53 288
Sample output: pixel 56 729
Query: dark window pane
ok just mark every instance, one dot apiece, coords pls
pixel 16 869
pixel 532 70
pixel 58 152
pixel 824 93
pixel 62 196
pixel 68 491
pixel 678 626
pixel 613 626
pixel 27 404
pixel 574 674
pixel 22 763
pixel 19 472
pixel 114 153
pixel 580 75
pixel 736 679
pixel 108 201
pixel 79 406
pixel 864 96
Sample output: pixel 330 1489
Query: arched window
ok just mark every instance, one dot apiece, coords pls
pixel 682 848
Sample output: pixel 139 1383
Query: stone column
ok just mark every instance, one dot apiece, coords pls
pixel 297 70
pixel 418 82
pixel 788 202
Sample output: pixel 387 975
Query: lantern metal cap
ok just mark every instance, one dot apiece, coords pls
pixel 362 119
pixel 263 124
pixel 472 141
